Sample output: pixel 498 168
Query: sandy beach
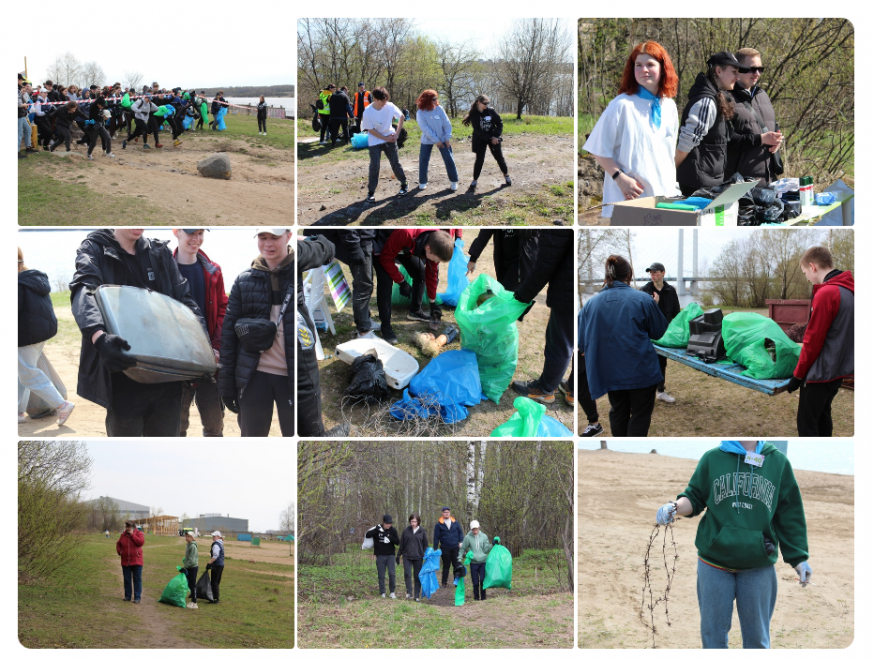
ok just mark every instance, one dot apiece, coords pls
pixel 619 494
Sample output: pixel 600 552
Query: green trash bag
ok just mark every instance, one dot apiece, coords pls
pixel 176 590
pixel 531 421
pixel 499 567
pixel 760 345
pixel 459 582
pixel 398 299
pixel 677 334
pixel 489 330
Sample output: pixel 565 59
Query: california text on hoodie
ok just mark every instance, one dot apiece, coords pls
pixel 828 350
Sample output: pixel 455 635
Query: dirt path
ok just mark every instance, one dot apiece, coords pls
pixel 332 192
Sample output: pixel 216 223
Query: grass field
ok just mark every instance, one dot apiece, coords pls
pixel 81 606
pixel 339 607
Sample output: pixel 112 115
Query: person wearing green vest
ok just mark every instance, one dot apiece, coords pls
pixel 190 566
pixel 325 111
pixel 753 511
pixel 477 542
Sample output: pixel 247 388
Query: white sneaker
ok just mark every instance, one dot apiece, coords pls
pixel 422 186
pixel 22 418
pixel 453 185
pixel 392 595
pixel 367 335
pixel 408 597
pixel 382 595
pixel 664 396
pixel 64 412
pixel 192 606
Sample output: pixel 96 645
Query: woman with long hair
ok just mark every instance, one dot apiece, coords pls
pixel 706 130
pixel 262 116
pixel 636 135
pixel 436 130
pixel 414 543
pixel 616 329
pixel 487 128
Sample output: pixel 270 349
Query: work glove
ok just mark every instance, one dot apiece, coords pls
pixel 794 384
pixel 804 572
pixel 665 515
pixel 497 540
pixel 111 349
pixel 231 404
pixel 398 560
pixel 405 289
pixel 206 568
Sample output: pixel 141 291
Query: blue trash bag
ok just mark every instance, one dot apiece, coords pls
pixel 456 277
pixel 359 141
pixel 220 119
pixel 187 122
pixel 428 573
pixel 448 384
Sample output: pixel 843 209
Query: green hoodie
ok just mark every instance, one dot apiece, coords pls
pixel 190 560
pixel 745 504
pixel 479 544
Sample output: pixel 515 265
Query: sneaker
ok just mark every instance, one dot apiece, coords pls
pixel 126 600
pixel 159 146
pixel 52 146
pixel 473 184
pixel 136 601
pixel 22 154
pixel 110 154
pixel 422 186
pixel 532 390
pixel 389 335
pixel 592 431
pixel 64 412
pixel 45 147
pixel 392 595
pixel 367 335
pixel 418 316
pixel 564 388
pixel 192 606
pixel 417 600
pixel 145 146
pixel 177 143
pixel 90 157
pixel 371 198
pixel 403 191
pixel 124 144
pixel 382 595
pixel 453 185
pixel 408 597
pixel 323 142
pixel 22 418
pixel 507 179
pixel 664 396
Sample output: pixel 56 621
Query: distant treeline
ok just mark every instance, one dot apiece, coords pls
pixel 246 91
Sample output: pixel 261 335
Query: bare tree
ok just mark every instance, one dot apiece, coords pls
pixel 92 74
pixel 132 79
pixel 65 70
pixel 287 519
pixel 457 61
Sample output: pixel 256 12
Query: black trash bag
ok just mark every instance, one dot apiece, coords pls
pixel 317 124
pixel 791 209
pixel 770 213
pixel 368 379
pixel 704 192
pixel 746 213
pixel 763 196
pixel 203 587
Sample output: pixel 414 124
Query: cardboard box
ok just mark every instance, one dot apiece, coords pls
pixel 642 212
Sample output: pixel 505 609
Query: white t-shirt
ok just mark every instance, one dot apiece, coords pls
pixel 380 121
pixel 625 134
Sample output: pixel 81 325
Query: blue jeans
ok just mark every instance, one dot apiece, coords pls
pixel 23 132
pixel 755 590
pixel 132 574
pixel 448 160
pixel 478 577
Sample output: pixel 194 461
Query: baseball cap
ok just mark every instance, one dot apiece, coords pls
pixel 724 58
pixel 276 231
pixel 656 266
pixel 191 231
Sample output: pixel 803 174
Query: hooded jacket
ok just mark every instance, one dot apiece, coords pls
pixel 384 540
pixel 338 105
pixel 480 545
pixel 525 258
pixel 143 108
pixel 99 261
pixel 748 508
pixel 191 557
pixel 829 341
pixel 216 299
pixel 412 242
pixel 130 548
pixel 413 544
pixel 486 125
pixel 36 316
pixel 554 265
pixel 447 539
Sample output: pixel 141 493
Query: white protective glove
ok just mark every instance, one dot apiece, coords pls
pixel 804 572
pixel 665 514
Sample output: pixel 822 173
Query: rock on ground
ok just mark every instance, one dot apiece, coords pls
pixel 216 166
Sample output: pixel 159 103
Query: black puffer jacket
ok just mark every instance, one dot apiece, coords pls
pixel 527 249
pixel 744 158
pixel 349 244
pixel 554 266
pixel 252 297
pixel 314 252
pixel 36 316
pixel 97 263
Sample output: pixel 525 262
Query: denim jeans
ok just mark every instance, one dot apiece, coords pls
pixel 755 591
pixel 32 379
pixel 391 153
pixel 23 132
pixel 384 562
pixel 132 575
pixel 448 161
pixel 478 577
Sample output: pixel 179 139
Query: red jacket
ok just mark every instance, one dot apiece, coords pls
pixel 412 242
pixel 828 350
pixel 216 298
pixel 130 548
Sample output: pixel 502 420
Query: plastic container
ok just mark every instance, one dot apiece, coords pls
pixel 399 366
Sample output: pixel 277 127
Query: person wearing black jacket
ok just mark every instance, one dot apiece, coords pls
pixel 64 117
pixel 515 252
pixel 36 325
pixel 414 542
pixel 124 257
pixel 97 128
pixel 385 538
pixel 217 104
pixel 487 129
pixel 669 304
pixel 262 116
pixel 554 266
pixel 448 536
pixel 339 105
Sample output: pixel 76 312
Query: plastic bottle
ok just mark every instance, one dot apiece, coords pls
pixel 805 190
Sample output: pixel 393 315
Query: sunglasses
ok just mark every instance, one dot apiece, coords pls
pixel 756 69
pixel 485 103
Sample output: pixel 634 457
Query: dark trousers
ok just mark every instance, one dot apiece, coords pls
pixel 559 349
pixel 204 393
pixel 256 405
pixel 176 125
pixel 511 277
pixel 141 128
pixel 262 124
pixel 362 289
pixel 215 579
pixel 688 191
pixel 415 267
pixel 411 576
pixel 663 365
pixel 631 411
pixel 191 574
pixel 450 556
pixel 152 127
pixel 143 410
pixel 814 418
pixel 339 129
pixel 481 158
pixel 133 581
pixel 390 149
pixel 44 131
pixel 584 394
pixel 385 563
pixel 325 120
pixel 64 136
pixel 100 131
pixel 478 577
pixel 199 125
pixel 309 392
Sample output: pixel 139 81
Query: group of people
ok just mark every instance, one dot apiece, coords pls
pixel 617 358
pixel 728 126
pixel 129 548
pixel 411 545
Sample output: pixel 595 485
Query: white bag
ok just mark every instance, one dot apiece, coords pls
pixel 368 542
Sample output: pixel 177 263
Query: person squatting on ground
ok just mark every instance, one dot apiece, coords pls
pixel 436 130
pixel 448 537
pixel 828 352
pixel 207 287
pixel 257 341
pixel 382 138
pixel 514 254
pixel 125 257
pixel 189 564
pixel 36 325
pixel 477 542
pixel 616 329
pixel 487 128
pixel 130 548
pixel 554 266
pixel 216 564
pixel 753 511
pixel 420 252
pixel 669 304
pixel 262 116
pixel 385 538
pixel 414 542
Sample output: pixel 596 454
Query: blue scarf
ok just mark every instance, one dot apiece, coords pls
pixel 655 108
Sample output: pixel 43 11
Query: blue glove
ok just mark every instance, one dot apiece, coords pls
pixel 804 572
pixel 90 122
pixel 665 515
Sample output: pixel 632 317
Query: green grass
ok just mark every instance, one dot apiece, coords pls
pixel 81 606
pixel 280 132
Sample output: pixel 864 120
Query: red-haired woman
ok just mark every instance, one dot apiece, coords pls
pixel 636 135
pixel 436 129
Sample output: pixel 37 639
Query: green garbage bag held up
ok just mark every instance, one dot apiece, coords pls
pixel 499 567
pixel 677 334
pixel 760 345
pixel 459 582
pixel 489 330
pixel 176 590
pixel 398 299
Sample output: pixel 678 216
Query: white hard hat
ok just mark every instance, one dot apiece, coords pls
pixel 474 524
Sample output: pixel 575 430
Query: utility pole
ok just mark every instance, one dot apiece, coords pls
pixel 695 262
pixel 681 284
